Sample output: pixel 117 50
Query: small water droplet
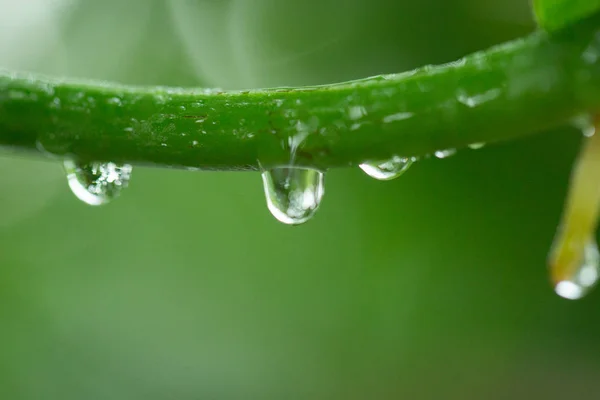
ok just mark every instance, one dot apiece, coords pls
pixel 55 103
pixel 115 101
pixel 97 183
pixel 592 53
pixel 445 153
pixel 476 146
pixel 585 123
pixel 293 194
pixel 397 117
pixel 584 277
pixel 387 170
pixel 356 112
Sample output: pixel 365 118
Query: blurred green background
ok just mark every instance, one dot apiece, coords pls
pixel 432 286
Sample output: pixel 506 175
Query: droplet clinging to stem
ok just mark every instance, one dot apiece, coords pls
pixel 293 194
pixel 388 169
pixel 97 183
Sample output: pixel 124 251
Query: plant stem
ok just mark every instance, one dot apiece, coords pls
pixel 580 216
pixel 511 90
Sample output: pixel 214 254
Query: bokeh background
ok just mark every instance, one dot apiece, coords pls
pixel 432 286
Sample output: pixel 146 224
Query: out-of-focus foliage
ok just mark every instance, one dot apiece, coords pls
pixel 554 14
pixel 430 286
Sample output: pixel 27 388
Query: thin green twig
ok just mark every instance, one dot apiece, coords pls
pixel 511 90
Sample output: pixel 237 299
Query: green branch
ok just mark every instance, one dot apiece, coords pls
pixel 508 91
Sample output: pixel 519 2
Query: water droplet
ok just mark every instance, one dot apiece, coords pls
pixel 397 117
pixel 293 194
pixel 55 103
pixel 387 170
pixel 356 112
pixel 97 183
pixel 475 100
pixel 585 123
pixel 592 53
pixel 115 101
pixel 445 153
pixel 476 146
pixel 584 277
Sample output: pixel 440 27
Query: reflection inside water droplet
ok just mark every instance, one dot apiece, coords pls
pixel 584 277
pixel 387 170
pixel 293 194
pixel 97 183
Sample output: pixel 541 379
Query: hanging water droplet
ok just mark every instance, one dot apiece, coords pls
pixel 97 183
pixel 584 277
pixel 387 170
pixel 476 146
pixel 445 153
pixel 293 194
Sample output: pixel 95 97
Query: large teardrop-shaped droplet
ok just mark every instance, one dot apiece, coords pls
pixel 293 194
pixel 386 170
pixel 97 183
pixel 584 277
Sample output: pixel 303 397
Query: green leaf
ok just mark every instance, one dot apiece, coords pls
pixel 555 14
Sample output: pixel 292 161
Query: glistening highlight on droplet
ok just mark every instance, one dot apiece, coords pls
pixel 445 153
pixel 386 170
pixel 293 194
pixel 585 275
pixel 97 183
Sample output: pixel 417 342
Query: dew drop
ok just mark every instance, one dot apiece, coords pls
pixel 585 124
pixel 585 276
pixel 293 194
pixel 387 170
pixel 476 146
pixel 55 103
pixel 445 153
pixel 115 101
pixel 356 112
pixel 97 183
